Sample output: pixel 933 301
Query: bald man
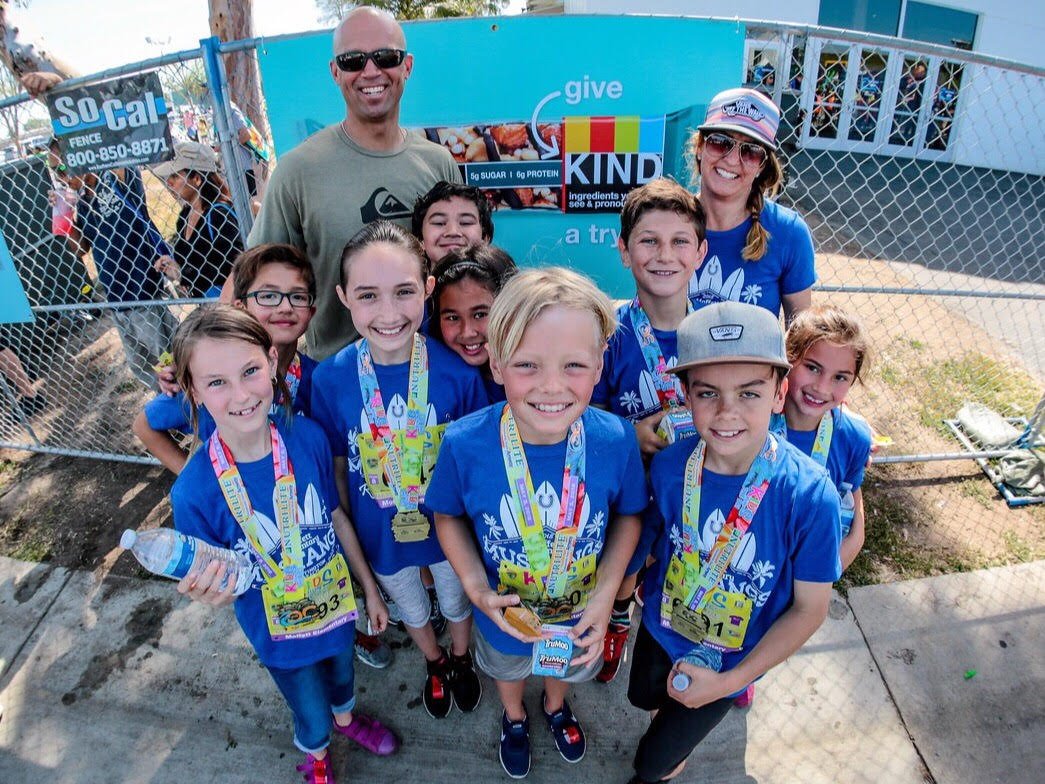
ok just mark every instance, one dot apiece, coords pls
pixel 365 168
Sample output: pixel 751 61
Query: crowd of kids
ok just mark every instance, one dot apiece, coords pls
pixel 512 445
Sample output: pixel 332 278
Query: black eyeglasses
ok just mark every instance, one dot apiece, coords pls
pixel 383 58
pixel 722 145
pixel 273 299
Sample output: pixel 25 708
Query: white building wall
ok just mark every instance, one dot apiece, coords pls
pixel 1013 29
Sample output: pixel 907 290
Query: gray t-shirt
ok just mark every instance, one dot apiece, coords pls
pixel 324 191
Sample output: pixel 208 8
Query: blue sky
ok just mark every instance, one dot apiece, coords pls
pixel 92 35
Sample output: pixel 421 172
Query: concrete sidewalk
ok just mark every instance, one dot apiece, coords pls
pixel 121 680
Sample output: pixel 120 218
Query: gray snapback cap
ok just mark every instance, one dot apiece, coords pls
pixel 730 332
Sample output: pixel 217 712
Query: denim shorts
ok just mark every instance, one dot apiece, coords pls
pixel 314 693
pixel 406 590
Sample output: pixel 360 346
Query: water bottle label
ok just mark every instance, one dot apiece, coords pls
pixel 847 521
pixel 182 556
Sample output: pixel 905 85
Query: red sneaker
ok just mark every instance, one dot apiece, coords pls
pixel 316 771
pixel 613 649
pixel 745 699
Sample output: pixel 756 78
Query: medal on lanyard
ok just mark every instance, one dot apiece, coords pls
pixel 689 584
pixel 549 568
pixel 403 455
pixel 669 389
pixel 288 578
pixel 293 377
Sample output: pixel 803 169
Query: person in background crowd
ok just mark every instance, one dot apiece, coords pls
pixel 206 239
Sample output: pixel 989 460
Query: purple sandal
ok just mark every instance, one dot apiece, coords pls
pixel 371 734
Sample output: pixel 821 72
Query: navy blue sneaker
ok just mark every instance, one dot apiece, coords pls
pixel 567 732
pixel 515 746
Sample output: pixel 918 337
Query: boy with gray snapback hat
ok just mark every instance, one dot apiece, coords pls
pixel 747 539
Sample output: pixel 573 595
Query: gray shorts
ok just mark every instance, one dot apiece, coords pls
pixel 507 667
pixel 407 591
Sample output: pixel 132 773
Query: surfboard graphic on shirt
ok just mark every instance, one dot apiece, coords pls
pixel 707 286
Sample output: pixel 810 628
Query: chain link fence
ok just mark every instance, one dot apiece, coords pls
pixel 921 182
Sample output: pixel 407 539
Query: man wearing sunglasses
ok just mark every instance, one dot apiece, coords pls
pixel 365 168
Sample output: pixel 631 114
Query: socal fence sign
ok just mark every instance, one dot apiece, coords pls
pixel 122 122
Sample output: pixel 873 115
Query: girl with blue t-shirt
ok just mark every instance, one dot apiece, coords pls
pixel 758 251
pixel 827 349
pixel 466 282
pixel 384 402
pixel 537 502
pixel 262 485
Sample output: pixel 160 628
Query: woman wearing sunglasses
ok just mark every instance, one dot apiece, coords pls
pixel 758 251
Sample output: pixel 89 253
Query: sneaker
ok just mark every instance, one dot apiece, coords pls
pixel 436 695
pixel 465 685
pixel 566 731
pixel 614 650
pixel 371 734
pixel 436 616
pixel 316 771
pixel 515 746
pixel 372 651
pixel 745 699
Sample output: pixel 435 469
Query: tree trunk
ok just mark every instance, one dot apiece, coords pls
pixel 22 57
pixel 233 20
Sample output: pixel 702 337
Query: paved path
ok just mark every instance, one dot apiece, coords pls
pixel 121 680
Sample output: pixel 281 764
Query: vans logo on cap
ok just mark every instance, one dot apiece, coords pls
pixel 726 332
pixel 744 108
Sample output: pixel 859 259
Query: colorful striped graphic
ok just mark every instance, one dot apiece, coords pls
pixel 613 134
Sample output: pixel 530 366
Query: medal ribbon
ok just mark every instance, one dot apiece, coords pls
pixel 402 464
pixel 549 568
pixel 702 579
pixel 293 379
pixel 288 578
pixel 824 432
pixel 669 388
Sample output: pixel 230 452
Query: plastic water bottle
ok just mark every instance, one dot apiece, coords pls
pixel 172 554
pixel 62 212
pixel 701 656
pixel 848 507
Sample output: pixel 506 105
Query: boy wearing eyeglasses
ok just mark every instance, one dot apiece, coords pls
pixel 276 285
pixel 362 169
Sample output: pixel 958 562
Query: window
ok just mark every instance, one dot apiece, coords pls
pixel 871 16
pixel 938 25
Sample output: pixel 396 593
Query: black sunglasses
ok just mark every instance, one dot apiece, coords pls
pixel 722 145
pixel 383 58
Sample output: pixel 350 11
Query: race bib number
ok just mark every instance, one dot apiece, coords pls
pixel 328 604
pixel 580 582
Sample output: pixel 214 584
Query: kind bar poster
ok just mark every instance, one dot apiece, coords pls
pixel 122 122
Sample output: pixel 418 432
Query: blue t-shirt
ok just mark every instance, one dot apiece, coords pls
pixel 627 387
pixel 850 447
pixel 471 482
pixel 454 389
pixel 124 242
pixel 794 536
pixel 200 510
pixel 172 413
pixel 787 268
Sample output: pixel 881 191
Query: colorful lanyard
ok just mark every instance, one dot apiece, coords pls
pixel 544 564
pixel 284 503
pixel 669 389
pixel 821 443
pixel 293 379
pixel 402 464
pixel 705 578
